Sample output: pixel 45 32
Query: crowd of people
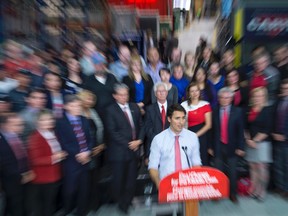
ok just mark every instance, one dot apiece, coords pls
pixel 63 116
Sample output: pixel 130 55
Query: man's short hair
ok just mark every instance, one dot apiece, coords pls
pixel 36 90
pixel 71 98
pixel 224 90
pixel 173 108
pixel 119 86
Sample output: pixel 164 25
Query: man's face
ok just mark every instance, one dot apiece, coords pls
pixel 178 73
pixel 74 108
pixel 37 100
pixel 261 64
pixel 177 121
pixel 176 55
pixel 161 93
pixel 23 80
pixel 153 56
pixel 225 99
pixel 15 125
pixel 121 96
pixel 280 54
pixel 124 55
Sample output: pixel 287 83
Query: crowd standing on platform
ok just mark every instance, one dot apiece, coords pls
pixel 64 116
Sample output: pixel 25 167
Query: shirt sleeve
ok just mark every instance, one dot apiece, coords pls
pixel 155 154
pixel 196 160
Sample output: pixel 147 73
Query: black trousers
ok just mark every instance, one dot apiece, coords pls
pixel 18 199
pixel 228 165
pixel 75 191
pixel 124 182
pixel 44 198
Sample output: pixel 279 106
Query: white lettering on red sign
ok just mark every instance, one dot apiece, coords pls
pixel 193 192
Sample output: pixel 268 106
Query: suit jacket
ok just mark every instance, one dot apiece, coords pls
pixel 9 166
pixel 262 124
pixel 120 132
pixel 49 103
pixel 148 85
pixel 40 157
pixel 69 143
pixel 103 92
pixel 285 130
pixel 153 124
pixel 235 131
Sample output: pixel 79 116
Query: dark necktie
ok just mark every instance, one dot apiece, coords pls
pixel 224 126
pixel 17 147
pixel 131 124
pixel 80 135
pixel 163 117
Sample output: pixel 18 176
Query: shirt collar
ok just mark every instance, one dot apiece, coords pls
pixel 172 134
pixel 71 117
pixel 159 104
pixel 123 106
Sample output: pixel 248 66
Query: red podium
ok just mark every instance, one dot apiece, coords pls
pixel 192 185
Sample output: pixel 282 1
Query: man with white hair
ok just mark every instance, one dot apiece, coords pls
pixel 155 117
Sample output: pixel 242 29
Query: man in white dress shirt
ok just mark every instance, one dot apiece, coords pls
pixel 176 148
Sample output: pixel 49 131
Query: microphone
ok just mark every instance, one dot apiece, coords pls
pixel 184 148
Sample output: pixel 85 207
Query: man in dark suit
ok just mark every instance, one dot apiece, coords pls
pixel 155 117
pixel 14 172
pixel 227 137
pixel 125 134
pixel 72 131
pixel 280 136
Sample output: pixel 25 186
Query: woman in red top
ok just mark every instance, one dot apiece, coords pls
pixel 198 118
pixel 44 154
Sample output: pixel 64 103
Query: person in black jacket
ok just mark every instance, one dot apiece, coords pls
pixel 126 133
pixel 139 83
pixel 228 137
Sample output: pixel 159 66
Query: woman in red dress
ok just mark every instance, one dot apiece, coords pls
pixel 198 118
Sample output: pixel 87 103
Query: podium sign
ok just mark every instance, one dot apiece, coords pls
pixel 197 183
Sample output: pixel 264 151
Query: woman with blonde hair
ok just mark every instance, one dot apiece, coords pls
pixel 139 83
pixel 257 134
pixel 190 63
pixel 97 136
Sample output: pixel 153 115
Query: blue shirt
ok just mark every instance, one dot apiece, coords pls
pixel 139 96
pixel 162 151
pixel 218 85
pixel 154 74
pixel 87 65
pixel 181 85
pixel 119 70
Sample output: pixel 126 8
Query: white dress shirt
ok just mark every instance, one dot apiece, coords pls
pixel 162 151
